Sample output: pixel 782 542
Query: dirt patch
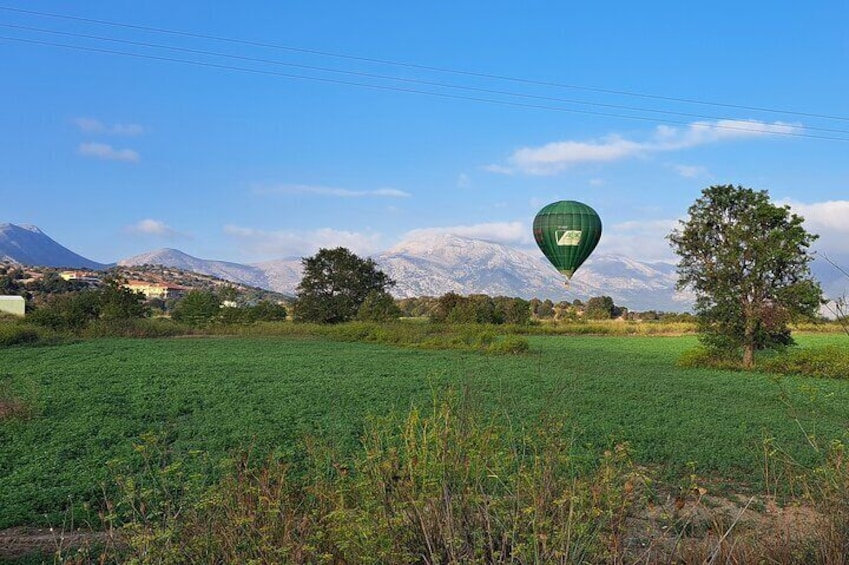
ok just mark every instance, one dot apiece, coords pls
pixel 696 529
pixel 19 542
pixel 732 529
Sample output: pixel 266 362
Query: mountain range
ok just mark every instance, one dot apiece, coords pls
pixel 28 245
pixel 434 265
pixel 427 266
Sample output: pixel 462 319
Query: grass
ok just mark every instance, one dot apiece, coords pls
pixel 445 486
pixel 219 394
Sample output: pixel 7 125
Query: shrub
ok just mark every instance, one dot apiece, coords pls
pixel 823 362
pixel 510 344
pixel 18 333
pixel 709 358
pixel 378 306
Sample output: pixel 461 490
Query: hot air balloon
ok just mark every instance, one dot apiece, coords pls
pixel 567 232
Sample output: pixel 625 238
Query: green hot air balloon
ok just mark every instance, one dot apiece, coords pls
pixel 567 232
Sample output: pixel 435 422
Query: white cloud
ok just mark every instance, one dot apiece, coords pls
pixel 499 169
pixel 829 220
pixel 90 125
pixel 511 233
pixel 152 227
pixel 830 216
pixel 669 138
pixel 641 240
pixel 691 171
pixel 330 191
pixel 276 244
pixel 106 151
pixel 554 157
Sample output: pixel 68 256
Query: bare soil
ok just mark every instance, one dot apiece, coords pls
pixel 19 542
pixel 695 529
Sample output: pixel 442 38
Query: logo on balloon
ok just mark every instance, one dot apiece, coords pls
pixel 567 237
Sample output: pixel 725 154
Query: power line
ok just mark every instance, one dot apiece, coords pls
pixel 422 67
pixel 424 92
pixel 385 77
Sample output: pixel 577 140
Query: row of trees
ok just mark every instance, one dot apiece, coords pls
pixel 202 307
pixel 502 309
pixel 70 307
pixel 746 259
pixel 76 309
pixel 338 286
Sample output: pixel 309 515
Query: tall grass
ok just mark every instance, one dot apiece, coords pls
pixel 450 485
pixel 447 486
pixel 18 332
pixel 466 337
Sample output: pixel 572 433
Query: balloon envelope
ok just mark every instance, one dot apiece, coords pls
pixel 567 232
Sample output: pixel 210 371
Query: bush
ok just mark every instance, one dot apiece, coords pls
pixel 511 344
pixel 18 333
pixel 15 334
pixel 378 307
pixel 708 358
pixel 830 362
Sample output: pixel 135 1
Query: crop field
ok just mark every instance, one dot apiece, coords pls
pixel 92 400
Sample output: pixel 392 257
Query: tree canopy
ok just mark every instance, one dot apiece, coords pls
pixel 747 260
pixel 198 307
pixel 336 283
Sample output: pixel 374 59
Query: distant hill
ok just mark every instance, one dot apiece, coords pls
pixel 235 272
pixel 427 266
pixel 245 293
pixel 28 245
pixel 435 265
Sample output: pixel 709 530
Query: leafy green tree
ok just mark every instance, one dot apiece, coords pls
pixel 599 308
pixel 445 304
pixel 9 285
pixel 474 309
pixel 546 309
pixel 417 306
pixel 747 260
pixel 378 307
pixel 68 311
pixel 335 284
pixel 265 311
pixel 197 307
pixel 513 310
pixel 117 302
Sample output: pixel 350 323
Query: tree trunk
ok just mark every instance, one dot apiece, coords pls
pixel 748 355
pixel 749 344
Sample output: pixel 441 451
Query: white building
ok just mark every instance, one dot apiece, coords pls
pixel 14 305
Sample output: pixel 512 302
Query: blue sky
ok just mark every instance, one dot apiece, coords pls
pixel 474 116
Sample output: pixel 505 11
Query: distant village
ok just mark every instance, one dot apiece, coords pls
pixel 159 285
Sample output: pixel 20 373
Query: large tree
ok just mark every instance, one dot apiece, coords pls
pixel 747 260
pixel 336 282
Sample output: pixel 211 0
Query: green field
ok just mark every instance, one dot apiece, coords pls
pixel 93 399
